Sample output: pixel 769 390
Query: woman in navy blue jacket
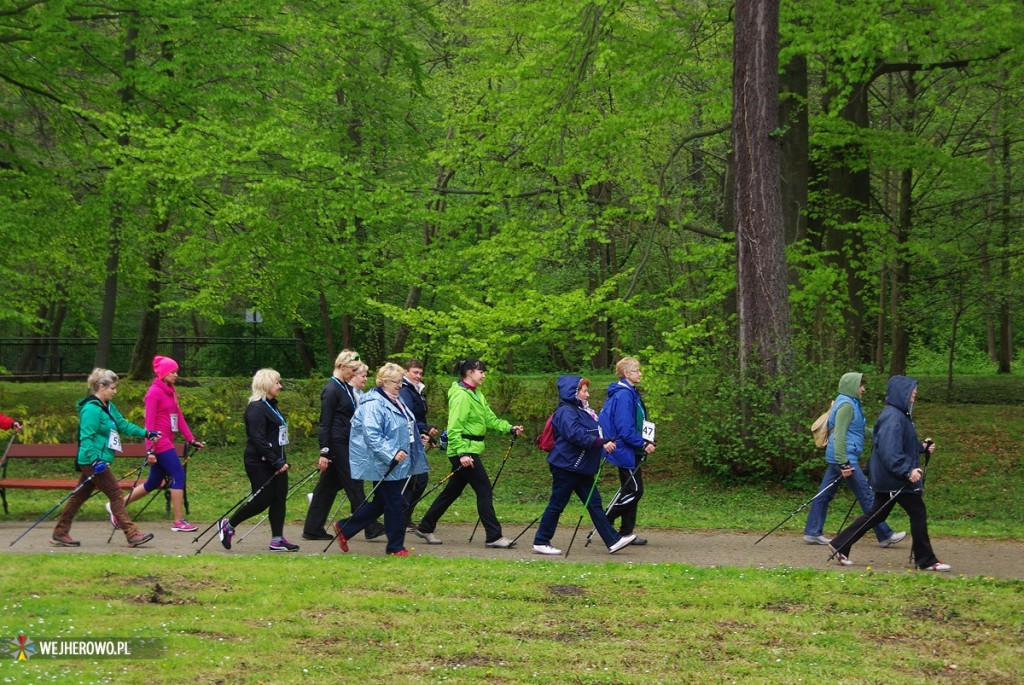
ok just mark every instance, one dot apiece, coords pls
pixel 573 462
pixel 896 477
pixel 622 419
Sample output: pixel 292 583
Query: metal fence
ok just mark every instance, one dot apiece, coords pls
pixel 60 357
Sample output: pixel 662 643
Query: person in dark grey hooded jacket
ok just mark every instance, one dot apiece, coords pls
pixel 896 476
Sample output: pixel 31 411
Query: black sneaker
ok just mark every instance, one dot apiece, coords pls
pixel 374 530
pixel 283 545
pixel 317 536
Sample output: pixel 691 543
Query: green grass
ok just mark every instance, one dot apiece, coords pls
pixel 428 620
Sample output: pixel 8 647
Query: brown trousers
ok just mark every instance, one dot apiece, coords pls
pixel 107 483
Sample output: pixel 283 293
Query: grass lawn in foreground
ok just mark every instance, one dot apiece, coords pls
pixel 271 619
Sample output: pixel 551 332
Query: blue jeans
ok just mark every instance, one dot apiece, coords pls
pixel 563 484
pixel 858 484
pixel 387 500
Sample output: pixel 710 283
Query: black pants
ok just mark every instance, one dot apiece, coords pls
pixel 334 479
pixel 913 504
pixel 629 497
pixel 475 478
pixel 272 497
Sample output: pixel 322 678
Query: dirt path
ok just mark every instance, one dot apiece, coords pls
pixel 969 557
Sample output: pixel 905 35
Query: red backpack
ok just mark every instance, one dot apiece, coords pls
pixel 546 440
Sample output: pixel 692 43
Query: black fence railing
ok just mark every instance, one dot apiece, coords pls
pixel 60 357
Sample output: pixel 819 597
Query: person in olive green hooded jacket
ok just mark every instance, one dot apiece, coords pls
pixel 469 418
pixel 846 425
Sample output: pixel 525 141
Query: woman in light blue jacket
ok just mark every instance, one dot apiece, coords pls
pixel 384 447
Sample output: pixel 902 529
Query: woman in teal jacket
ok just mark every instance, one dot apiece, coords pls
pixel 100 429
pixel 469 418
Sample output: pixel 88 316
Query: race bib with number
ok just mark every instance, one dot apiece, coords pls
pixel 282 435
pixel 174 423
pixel 114 441
pixel 648 431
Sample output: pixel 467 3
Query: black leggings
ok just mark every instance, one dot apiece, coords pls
pixel 272 497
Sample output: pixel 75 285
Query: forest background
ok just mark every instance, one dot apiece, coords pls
pixel 547 186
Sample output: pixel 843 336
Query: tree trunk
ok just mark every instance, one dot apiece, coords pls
pixel 900 342
pixel 149 328
pixel 795 150
pixel 301 345
pixel 763 306
pixel 325 320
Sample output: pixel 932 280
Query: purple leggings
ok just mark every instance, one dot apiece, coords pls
pixel 168 465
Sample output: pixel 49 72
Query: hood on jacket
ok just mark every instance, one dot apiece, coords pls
pixel 898 391
pixel 567 388
pixel 87 399
pixel 849 384
pixel 620 386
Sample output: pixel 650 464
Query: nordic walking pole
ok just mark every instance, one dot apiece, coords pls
pixel 373 491
pixel 62 501
pixel 798 509
pixel 615 497
pixel 437 485
pixel 593 486
pixel 247 498
pixel 848 512
pixel 868 523
pixel 516 538
pixel 495 481
pixel 291 491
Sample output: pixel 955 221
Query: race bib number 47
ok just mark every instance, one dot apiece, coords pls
pixel 648 431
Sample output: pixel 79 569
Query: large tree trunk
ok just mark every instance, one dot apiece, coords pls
pixel 763 307
pixel 149 328
pixel 795 150
pixel 106 327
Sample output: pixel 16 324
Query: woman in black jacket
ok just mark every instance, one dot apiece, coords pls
pixel 266 434
pixel 338 401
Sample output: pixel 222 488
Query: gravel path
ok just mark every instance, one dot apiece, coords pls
pixel 967 556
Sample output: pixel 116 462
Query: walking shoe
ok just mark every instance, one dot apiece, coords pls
pixel 937 566
pixel 546 549
pixel 500 543
pixel 892 539
pixel 639 541
pixel 317 536
pixel 113 519
pixel 342 540
pixel 139 540
pixel 840 558
pixel 374 530
pixel 400 553
pixel 817 540
pixel 225 531
pixel 183 526
pixel 430 538
pixel 64 541
pixel 622 542
pixel 282 545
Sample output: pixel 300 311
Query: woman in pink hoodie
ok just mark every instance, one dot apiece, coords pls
pixel 164 415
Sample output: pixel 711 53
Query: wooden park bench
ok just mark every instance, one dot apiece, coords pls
pixel 131 456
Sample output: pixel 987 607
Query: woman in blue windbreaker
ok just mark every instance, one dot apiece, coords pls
pixel 384 447
pixel 622 420
pixel 574 461
pixel 896 476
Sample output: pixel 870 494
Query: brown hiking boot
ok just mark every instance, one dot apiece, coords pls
pixel 64 541
pixel 137 540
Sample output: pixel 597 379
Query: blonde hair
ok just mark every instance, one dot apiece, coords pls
pixel 360 368
pixel 389 372
pixel 625 365
pixel 101 378
pixel 347 358
pixel 262 381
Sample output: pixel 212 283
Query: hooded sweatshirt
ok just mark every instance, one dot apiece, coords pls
pixel 164 415
pixel 622 420
pixel 578 438
pixel 895 451
pixel 846 423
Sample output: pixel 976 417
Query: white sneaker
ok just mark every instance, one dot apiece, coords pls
pixel 937 566
pixel 500 543
pixel 840 558
pixel 113 519
pixel 430 538
pixel 817 540
pixel 622 542
pixel 892 539
pixel 546 549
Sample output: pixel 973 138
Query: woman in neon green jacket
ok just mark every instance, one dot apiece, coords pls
pixel 469 418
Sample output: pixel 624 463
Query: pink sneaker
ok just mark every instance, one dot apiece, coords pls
pixel 183 526
pixel 937 566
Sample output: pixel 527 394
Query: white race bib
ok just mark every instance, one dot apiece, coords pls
pixel 412 432
pixel 174 423
pixel 282 435
pixel 114 441
pixel 648 431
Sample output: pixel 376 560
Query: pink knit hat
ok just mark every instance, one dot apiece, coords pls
pixel 163 366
